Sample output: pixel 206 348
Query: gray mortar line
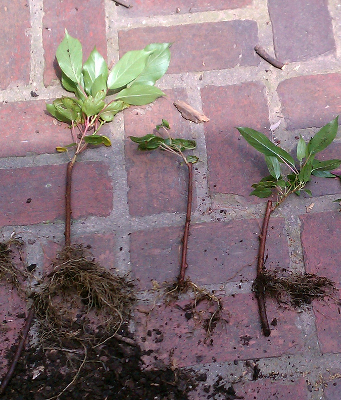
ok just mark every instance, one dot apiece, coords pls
pixel 37 48
pixel 127 23
pixel 335 12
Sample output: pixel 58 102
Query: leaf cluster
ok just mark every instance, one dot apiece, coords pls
pixel 175 146
pixel 130 82
pixel 300 170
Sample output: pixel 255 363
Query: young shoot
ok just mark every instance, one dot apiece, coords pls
pixel 294 182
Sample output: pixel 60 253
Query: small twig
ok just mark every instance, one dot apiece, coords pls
pixel 123 3
pixel 184 265
pixel 20 348
pixel 271 60
pixel 260 293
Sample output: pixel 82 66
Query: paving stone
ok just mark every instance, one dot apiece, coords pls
pixel 328 324
pixel 166 330
pixel 150 7
pixel 102 247
pixel 36 194
pixel 206 53
pixel 35 130
pixel 302 29
pixel 78 18
pixel 310 101
pixel 266 389
pixel 217 252
pixel 320 235
pixel 157 180
pixel 13 312
pixel 233 164
pixel 331 390
pixel 15 43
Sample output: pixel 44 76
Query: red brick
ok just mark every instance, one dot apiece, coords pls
pixel 35 130
pixel 99 245
pixel 320 235
pixel 302 30
pixel 234 165
pixel 198 47
pixel 15 43
pixel 310 101
pixel 332 387
pixel 265 389
pixel 217 252
pixel 157 180
pixel 240 338
pixel 31 130
pixel 12 309
pixel 151 7
pixel 328 324
pixel 45 186
pixel 83 20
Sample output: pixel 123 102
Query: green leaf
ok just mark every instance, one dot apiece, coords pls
pixel 302 149
pixel 192 159
pixel 93 105
pixel 142 139
pixel 273 166
pixel 94 67
pixel 324 137
pixel 180 144
pixel 109 112
pixel 52 110
pixel 151 144
pixel 327 165
pixel 261 143
pixel 164 124
pixel 97 140
pixel 139 95
pixel 69 56
pixel 61 149
pixel 156 65
pixel 261 192
pixel 72 87
pixel 99 85
pixel 128 68
pixel 323 174
pixel 308 192
pixel 305 172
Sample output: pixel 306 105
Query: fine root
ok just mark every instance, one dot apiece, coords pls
pixel 294 289
pixel 79 298
pixel 209 316
pixel 9 272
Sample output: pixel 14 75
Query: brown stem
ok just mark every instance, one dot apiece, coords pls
pixel 260 293
pixel 184 265
pixel 20 348
pixel 262 53
pixel 68 210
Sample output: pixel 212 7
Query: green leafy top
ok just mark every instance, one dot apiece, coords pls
pixel 130 82
pixel 175 146
pixel 300 174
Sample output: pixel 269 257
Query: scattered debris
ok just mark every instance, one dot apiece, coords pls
pixel 190 113
pixel 271 60
pixel 122 3
pixel 310 207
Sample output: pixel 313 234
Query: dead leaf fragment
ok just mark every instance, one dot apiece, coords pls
pixel 190 113
pixel 310 207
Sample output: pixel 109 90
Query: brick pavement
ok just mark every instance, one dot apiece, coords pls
pixel 130 206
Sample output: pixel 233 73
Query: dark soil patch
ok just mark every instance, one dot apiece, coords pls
pixel 113 370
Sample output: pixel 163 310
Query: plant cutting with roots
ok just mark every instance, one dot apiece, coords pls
pixel 176 146
pixel 296 289
pixel 99 94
